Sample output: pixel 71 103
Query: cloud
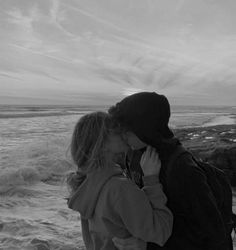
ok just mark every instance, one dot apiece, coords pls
pixel 11 76
pixel 130 91
pixel 120 47
pixel 24 32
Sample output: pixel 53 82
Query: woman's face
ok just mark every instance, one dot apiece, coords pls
pixel 115 144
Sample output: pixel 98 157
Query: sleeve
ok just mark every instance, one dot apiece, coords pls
pixel 204 208
pixel 86 234
pixel 144 212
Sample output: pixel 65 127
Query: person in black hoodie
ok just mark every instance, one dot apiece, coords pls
pixel 198 225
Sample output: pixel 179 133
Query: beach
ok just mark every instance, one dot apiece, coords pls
pixel 35 159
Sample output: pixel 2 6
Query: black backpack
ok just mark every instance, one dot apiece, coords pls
pixel 220 187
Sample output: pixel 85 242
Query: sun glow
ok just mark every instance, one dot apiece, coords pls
pixel 130 91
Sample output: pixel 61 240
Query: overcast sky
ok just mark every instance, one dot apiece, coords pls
pixel 98 51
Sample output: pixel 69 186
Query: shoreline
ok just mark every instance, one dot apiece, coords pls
pixel 215 144
pixel 214 136
pixel 229 119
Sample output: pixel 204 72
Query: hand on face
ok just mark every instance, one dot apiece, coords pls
pixel 150 162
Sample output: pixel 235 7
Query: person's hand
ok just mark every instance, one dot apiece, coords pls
pixel 129 244
pixel 150 162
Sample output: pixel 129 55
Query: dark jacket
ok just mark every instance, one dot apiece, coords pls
pixel 197 221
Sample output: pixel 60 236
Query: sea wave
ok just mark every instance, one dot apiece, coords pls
pixel 37 114
pixel 27 234
pixel 221 120
pixel 37 111
pixel 17 181
pixel 20 176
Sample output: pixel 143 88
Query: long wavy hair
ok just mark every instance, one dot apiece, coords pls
pixel 88 141
pixel 87 146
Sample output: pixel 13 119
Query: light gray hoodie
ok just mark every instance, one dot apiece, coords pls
pixel 115 207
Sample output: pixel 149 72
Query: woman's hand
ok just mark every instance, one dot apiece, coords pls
pixel 150 162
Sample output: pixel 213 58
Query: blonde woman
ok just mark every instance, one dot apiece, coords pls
pixel 112 206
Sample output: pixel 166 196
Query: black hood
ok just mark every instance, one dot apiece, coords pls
pixel 147 115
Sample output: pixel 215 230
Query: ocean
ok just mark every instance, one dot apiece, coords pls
pixel 34 160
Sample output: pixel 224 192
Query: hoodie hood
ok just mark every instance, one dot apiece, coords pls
pixel 147 115
pixel 85 198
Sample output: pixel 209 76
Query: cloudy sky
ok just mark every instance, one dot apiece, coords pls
pixel 97 52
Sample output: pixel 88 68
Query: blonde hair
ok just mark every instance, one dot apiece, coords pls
pixel 88 141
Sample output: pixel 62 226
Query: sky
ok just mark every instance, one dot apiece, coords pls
pixel 97 52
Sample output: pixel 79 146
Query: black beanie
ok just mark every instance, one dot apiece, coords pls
pixel 147 115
